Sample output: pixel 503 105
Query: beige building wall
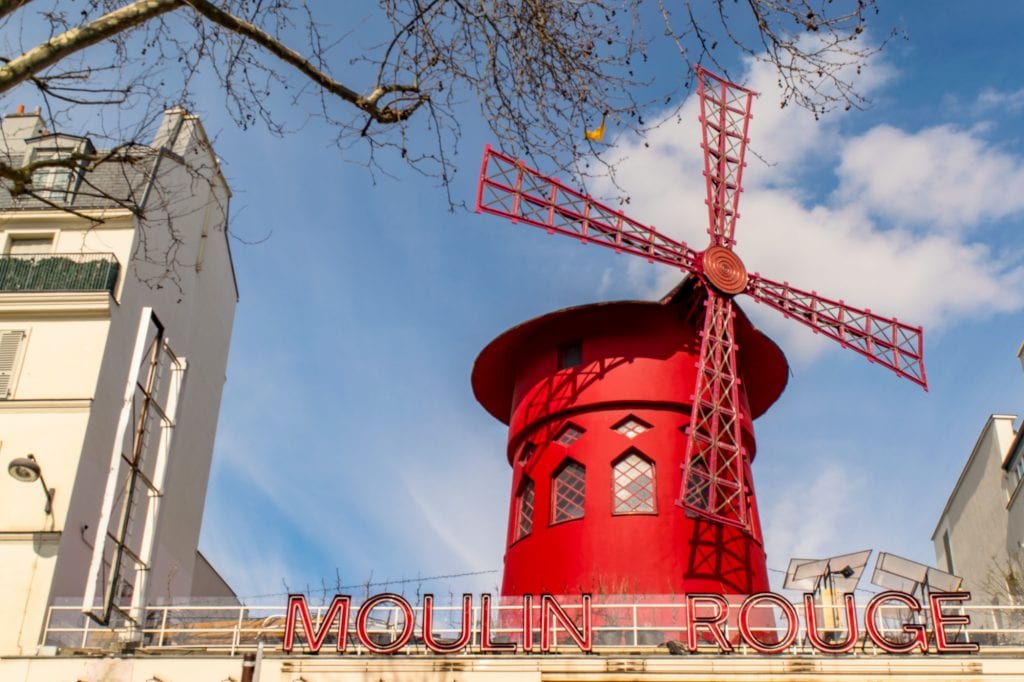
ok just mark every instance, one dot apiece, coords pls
pixel 70 380
pixel 1014 467
pixel 970 538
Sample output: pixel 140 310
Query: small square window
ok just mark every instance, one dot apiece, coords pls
pixel 570 355
pixel 631 427
pixel 569 434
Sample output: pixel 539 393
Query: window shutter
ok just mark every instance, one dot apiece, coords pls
pixel 10 343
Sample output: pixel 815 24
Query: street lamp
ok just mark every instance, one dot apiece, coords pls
pixel 27 469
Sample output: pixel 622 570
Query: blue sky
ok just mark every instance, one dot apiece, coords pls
pixel 351 448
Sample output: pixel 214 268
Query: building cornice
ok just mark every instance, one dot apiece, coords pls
pixel 54 304
pixel 83 218
pixel 46 405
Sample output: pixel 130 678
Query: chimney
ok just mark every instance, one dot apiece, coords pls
pixel 17 128
pixel 169 133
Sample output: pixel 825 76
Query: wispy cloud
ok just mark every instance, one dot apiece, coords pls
pixel 1006 102
pixel 811 509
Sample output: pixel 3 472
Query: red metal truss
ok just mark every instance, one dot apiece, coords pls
pixel 510 189
pixel 724 118
pixel 884 340
pixel 714 469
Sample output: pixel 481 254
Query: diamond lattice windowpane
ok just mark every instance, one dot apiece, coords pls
pixel 631 427
pixel 634 485
pixel 569 435
pixel 569 492
pixel 524 516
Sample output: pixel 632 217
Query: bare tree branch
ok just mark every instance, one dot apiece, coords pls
pixel 398 84
pixel 367 103
pixel 60 47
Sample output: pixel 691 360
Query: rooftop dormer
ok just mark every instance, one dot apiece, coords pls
pixel 61 163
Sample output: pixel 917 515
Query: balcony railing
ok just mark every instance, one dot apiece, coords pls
pixel 58 272
pixel 618 628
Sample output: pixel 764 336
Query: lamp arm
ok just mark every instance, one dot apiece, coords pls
pixel 49 493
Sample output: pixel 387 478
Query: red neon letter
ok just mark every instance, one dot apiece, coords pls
pixel 920 637
pixel 428 626
pixel 940 620
pixel 315 639
pixel 527 622
pixel 583 636
pixel 812 626
pixel 713 623
pixel 792 623
pixel 407 626
pixel 486 643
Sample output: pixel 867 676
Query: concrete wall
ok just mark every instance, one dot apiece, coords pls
pixel 975 517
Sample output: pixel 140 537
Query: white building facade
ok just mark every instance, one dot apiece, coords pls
pixel 980 534
pixel 117 298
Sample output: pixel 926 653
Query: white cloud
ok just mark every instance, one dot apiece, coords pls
pixel 901 235
pixel 939 176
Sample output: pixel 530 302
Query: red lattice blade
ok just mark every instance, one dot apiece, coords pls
pixel 510 189
pixel 714 483
pixel 884 340
pixel 724 119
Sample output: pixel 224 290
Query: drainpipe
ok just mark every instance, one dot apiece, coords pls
pixel 251 665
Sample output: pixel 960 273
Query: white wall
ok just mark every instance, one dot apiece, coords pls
pixel 975 516
pixel 71 385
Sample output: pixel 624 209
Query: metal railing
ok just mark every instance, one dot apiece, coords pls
pixel 637 626
pixel 58 272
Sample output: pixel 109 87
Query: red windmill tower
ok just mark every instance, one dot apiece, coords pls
pixel 630 423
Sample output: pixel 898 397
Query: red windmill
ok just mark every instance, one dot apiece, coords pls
pixel 733 377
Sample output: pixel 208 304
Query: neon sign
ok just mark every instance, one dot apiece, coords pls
pixel 706 618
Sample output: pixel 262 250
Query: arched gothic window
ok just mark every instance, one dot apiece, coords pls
pixel 568 492
pixel 524 510
pixel 633 481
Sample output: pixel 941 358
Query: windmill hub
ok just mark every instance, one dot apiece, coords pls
pixel 724 270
